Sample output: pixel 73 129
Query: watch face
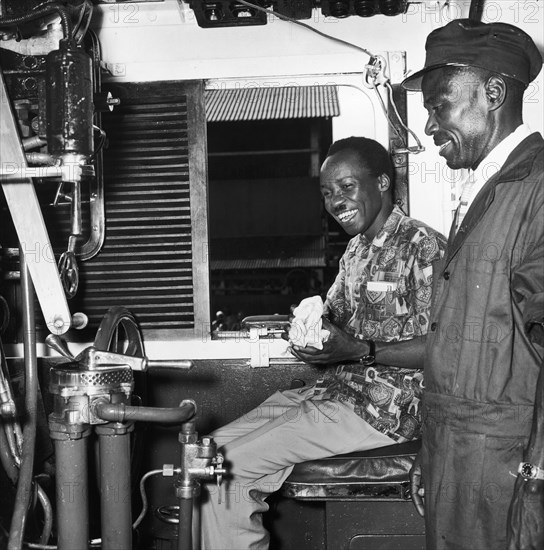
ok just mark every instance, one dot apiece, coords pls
pixel 527 470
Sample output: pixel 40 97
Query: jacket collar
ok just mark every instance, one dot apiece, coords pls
pixel 516 168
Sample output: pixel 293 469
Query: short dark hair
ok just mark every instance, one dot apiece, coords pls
pixel 372 154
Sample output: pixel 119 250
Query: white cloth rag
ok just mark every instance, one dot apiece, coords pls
pixel 306 327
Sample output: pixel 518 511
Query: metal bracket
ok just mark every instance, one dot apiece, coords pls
pixel 29 224
pixel 259 352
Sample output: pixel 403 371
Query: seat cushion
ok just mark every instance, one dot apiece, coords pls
pixel 378 472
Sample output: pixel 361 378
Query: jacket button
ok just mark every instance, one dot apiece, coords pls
pixel 433 327
pixel 446 275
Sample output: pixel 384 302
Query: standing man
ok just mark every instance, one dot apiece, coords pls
pixel 483 434
pixel 382 293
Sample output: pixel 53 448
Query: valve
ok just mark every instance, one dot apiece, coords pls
pixel 199 460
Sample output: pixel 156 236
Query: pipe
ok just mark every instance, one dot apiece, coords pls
pixel 41 12
pixel 72 491
pixel 47 515
pixel 115 502
pixel 185 535
pixel 40 158
pixel 33 142
pixel 24 486
pixel 121 413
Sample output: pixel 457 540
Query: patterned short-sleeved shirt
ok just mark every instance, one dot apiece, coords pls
pixel 383 292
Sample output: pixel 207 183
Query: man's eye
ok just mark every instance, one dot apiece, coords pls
pixel 325 194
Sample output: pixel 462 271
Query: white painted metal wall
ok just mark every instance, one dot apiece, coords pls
pixel 160 41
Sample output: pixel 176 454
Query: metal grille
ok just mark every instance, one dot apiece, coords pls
pixel 106 378
pixel 146 261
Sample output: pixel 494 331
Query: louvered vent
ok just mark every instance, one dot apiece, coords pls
pixel 146 261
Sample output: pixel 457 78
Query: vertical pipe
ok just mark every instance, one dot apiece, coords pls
pixel 24 485
pixel 186 485
pixel 185 530
pixel 72 492
pixel 115 501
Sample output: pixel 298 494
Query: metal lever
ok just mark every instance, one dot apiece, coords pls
pixel 184 364
pixel 218 472
pixel 95 359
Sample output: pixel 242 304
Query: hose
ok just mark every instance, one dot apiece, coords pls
pixel 10 459
pixel 24 486
pixel 6 458
pixel 126 413
pixel 41 12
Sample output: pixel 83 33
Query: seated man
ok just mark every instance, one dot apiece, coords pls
pixel 382 293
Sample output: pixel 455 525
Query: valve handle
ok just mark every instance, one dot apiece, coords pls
pixel 219 471
pixel 219 482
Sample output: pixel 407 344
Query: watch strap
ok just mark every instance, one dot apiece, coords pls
pixel 370 357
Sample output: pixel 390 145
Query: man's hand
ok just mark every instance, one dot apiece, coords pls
pixel 526 516
pixel 416 486
pixel 340 346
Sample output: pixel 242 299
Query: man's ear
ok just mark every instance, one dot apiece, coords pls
pixel 383 183
pixel 495 92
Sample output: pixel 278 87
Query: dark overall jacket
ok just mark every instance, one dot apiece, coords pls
pixel 482 364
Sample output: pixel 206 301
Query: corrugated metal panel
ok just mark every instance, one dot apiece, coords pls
pixel 269 103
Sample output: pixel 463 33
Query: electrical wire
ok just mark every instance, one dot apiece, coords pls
pixel 411 132
pixel 369 82
pixel 144 496
pixel 305 25
pixel 384 109
pixel 42 11
pixel 84 20
pixel 101 142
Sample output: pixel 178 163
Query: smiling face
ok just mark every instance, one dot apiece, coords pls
pixel 459 118
pixel 352 195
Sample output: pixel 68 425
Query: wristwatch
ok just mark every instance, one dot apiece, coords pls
pixel 370 357
pixel 529 471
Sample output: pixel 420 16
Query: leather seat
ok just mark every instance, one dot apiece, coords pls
pixel 380 473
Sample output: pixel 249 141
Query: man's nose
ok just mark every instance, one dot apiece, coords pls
pixel 431 127
pixel 337 197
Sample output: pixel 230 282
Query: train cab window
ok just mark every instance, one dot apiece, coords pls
pixel 268 239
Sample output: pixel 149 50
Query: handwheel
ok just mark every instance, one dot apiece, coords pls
pixel 119 333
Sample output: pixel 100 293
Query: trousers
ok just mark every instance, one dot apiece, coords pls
pixel 261 449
